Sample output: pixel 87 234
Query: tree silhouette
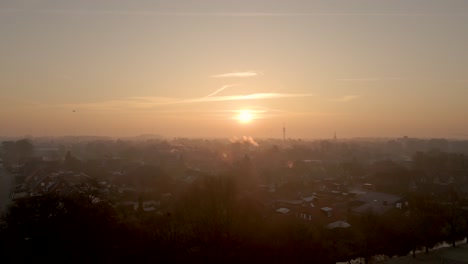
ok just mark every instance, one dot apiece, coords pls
pixel 455 224
pixel 17 151
pixel 426 217
pixel 54 229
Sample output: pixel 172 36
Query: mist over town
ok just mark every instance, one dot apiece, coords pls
pixel 221 131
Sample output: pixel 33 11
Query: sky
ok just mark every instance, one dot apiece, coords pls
pixel 360 68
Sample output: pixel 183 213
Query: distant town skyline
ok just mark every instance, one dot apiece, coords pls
pixel 219 68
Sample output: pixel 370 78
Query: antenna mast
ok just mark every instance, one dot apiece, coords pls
pixel 284 131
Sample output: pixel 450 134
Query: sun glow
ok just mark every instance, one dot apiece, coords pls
pixel 245 116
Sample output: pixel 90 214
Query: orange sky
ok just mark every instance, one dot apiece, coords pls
pixel 175 68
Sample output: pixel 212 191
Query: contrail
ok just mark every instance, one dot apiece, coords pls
pixel 236 74
pixel 256 96
pixel 221 89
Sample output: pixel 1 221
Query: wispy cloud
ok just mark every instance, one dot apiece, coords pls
pixel 155 103
pixel 255 96
pixel 346 98
pixel 222 89
pixel 236 74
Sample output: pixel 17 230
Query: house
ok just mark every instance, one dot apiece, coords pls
pixel 313 210
pixel 282 210
pixel 33 178
pixel 40 182
pixel 376 202
pixel 43 184
pixel 328 211
pixel 338 224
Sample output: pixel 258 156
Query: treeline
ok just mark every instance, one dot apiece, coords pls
pixel 214 222
pixel 16 152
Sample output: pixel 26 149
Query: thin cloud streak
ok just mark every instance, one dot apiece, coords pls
pixel 236 74
pixel 155 101
pixel 145 103
pixel 256 96
pixel 224 87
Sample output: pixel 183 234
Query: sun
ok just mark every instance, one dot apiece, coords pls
pixel 245 116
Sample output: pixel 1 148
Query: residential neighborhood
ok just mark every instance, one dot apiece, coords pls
pixel 220 186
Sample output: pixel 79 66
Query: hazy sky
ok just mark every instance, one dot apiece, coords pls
pixel 187 68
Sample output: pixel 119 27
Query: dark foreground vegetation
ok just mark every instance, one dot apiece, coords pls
pixel 210 226
pixel 224 218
